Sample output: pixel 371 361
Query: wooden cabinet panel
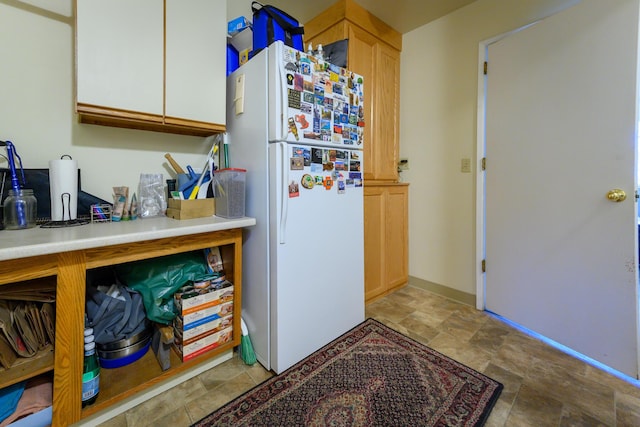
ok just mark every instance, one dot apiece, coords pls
pixel 362 48
pixel 374 213
pixel 385 238
pixel 396 236
pixel 374 52
pixel 386 115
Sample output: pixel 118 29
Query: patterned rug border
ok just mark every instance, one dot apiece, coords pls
pixel 317 359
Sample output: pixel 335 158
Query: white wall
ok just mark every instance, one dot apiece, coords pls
pixel 237 8
pixel 37 106
pixel 438 102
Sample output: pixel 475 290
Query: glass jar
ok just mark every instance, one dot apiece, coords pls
pixel 20 209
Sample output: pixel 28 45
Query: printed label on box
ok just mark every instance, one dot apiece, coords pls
pixel 204 301
pixel 203 345
pixel 199 317
pixel 211 326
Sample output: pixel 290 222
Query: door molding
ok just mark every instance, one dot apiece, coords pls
pixel 483 56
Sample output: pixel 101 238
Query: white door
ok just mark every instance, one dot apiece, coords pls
pixel 560 133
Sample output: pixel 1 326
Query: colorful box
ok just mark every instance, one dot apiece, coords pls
pixel 209 342
pixel 190 302
pixel 200 317
pixel 238 24
pixel 189 335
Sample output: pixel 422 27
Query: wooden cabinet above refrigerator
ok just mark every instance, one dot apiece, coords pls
pixel 374 52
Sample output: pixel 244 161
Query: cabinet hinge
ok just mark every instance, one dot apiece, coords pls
pixel 484 265
pixel 637 195
pixel 486 67
pixel 484 163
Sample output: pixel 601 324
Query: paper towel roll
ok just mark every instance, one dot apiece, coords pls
pixel 63 184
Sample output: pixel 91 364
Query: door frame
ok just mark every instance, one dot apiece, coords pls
pixel 483 53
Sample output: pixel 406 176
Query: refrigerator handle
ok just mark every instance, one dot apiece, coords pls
pixel 285 192
pixel 284 101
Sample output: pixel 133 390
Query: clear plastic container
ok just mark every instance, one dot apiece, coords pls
pixel 229 190
pixel 20 210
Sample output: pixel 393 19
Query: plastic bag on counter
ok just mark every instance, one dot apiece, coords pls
pixel 151 195
pixel 157 279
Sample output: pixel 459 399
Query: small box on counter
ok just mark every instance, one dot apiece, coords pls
pixel 198 347
pixel 189 209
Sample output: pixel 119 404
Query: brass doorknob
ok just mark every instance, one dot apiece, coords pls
pixel 616 195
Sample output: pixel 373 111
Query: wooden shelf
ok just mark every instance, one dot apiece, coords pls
pixel 131 120
pixel 27 367
pixel 70 270
pixel 120 383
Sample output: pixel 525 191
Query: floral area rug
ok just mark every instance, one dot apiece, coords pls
pixel 370 376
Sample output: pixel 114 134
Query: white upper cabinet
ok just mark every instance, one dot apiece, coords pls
pixel 152 64
pixel 196 60
pixel 120 54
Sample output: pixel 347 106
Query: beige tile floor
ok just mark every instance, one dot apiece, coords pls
pixel 542 385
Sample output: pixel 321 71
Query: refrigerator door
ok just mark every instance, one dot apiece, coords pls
pixel 314 102
pixel 317 248
pixel 247 137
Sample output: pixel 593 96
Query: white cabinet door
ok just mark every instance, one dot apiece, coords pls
pixel 120 54
pixel 195 60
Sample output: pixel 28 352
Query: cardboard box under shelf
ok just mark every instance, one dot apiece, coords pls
pixel 189 209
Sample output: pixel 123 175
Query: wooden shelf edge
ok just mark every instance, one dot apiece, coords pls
pixel 25 368
pixel 96 115
pixel 372 183
pixel 105 402
pixel 28 268
pixel 127 252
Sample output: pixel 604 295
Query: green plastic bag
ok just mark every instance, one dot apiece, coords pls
pixel 157 279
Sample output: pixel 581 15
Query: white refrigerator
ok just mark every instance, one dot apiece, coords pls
pixel 295 124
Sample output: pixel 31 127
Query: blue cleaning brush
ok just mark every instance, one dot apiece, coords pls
pixel 15 183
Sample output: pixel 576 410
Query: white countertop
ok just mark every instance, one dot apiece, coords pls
pixel 15 244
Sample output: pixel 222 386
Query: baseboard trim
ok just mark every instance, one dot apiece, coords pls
pixel 445 291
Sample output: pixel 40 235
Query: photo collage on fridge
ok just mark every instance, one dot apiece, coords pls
pixel 326 104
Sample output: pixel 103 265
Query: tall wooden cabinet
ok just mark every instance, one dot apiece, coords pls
pixel 374 52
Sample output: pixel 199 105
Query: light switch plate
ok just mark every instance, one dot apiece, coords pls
pixel 465 165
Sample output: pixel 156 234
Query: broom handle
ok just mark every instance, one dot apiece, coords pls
pixel 174 164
